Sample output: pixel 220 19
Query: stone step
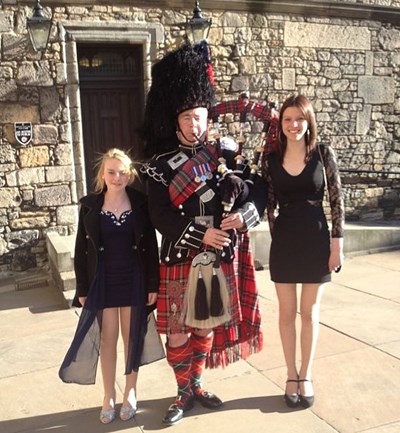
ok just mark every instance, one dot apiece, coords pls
pixel 360 238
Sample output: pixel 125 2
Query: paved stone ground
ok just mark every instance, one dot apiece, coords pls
pixel 356 370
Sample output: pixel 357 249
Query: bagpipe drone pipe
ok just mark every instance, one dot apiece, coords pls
pixel 244 151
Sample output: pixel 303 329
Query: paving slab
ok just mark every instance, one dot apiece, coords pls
pixel 251 402
pixel 391 428
pixel 373 323
pixel 354 391
pixel 388 260
pixel 356 367
pixel 37 354
pixel 368 274
pixel 337 296
pixel 392 348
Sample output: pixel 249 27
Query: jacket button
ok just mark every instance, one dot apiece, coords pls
pixel 134 247
pixel 87 237
pixel 101 248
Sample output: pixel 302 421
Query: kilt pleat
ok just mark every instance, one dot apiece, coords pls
pixel 234 340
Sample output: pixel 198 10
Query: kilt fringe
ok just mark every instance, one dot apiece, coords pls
pixel 242 335
pixel 235 353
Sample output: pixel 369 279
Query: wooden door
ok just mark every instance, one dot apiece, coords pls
pixel 112 101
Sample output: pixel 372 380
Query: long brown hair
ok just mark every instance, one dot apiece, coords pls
pixel 304 105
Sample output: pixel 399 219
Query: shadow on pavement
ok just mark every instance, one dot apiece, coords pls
pixel 150 413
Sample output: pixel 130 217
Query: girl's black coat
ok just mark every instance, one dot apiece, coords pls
pixel 88 242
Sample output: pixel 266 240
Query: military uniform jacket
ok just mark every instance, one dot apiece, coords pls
pixel 182 227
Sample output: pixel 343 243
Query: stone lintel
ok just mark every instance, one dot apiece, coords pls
pixel 13 112
pixel 312 35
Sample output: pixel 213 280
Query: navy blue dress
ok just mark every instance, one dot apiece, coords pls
pixel 118 283
pixel 123 279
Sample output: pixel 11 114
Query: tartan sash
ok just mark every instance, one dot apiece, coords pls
pixel 183 184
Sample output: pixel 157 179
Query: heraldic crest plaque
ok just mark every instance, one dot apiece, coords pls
pixel 23 132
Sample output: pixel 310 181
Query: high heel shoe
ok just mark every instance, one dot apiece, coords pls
pixel 292 400
pixel 306 400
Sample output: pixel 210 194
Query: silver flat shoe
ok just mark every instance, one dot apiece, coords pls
pixel 127 413
pixel 107 415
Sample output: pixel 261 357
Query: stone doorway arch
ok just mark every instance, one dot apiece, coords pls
pixel 148 35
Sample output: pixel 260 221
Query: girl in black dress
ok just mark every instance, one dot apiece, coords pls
pixel 302 249
pixel 117 276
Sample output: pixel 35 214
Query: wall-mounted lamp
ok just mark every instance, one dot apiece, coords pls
pixel 39 28
pixel 197 28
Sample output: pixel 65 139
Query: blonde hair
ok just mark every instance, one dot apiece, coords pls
pixel 114 153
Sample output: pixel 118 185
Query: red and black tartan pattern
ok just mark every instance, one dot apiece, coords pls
pixel 170 300
pixel 201 347
pixel 262 112
pixel 183 184
pixel 235 340
pixel 180 359
pixel 232 343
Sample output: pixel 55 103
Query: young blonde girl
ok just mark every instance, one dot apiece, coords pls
pixel 117 276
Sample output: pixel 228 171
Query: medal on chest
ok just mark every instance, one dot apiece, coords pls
pixel 202 172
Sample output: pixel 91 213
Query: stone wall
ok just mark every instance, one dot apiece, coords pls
pixel 349 68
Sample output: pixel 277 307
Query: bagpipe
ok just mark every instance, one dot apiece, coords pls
pixel 207 295
pixel 238 159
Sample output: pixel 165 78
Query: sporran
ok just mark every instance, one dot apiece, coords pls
pixel 207 295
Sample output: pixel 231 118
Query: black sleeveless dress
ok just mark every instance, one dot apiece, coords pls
pixel 300 246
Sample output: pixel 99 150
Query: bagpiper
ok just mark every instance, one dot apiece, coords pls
pixel 208 302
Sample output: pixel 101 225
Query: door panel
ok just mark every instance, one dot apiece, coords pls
pixel 112 101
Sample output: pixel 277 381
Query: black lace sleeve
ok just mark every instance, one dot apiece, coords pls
pixel 271 196
pixel 335 191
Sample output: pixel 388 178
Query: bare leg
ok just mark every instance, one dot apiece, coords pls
pixel 177 340
pixel 287 298
pixel 311 295
pixel 130 379
pixel 108 354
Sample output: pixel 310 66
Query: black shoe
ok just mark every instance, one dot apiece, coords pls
pixel 306 400
pixel 292 400
pixel 207 399
pixel 177 409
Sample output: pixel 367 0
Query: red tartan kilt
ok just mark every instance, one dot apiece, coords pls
pixel 170 302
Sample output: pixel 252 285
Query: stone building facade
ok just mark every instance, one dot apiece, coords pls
pixel 345 56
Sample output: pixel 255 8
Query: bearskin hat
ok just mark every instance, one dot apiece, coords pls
pixel 180 81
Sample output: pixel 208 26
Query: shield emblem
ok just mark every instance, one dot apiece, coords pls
pixel 23 132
